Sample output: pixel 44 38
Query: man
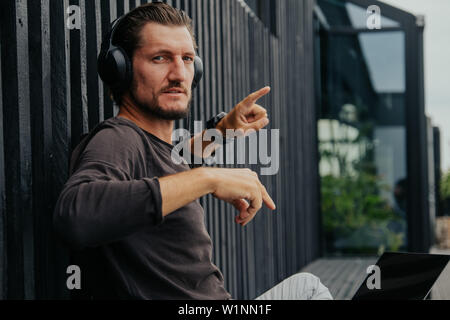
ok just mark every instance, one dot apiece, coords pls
pixel 127 200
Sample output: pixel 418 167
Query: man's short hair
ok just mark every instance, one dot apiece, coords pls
pixel 127 34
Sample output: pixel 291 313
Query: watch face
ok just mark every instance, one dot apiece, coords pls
pixel 212 123
pixel 219 117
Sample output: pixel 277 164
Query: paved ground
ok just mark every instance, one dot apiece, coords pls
pixel 343 276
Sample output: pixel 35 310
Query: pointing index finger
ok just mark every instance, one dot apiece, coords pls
pixel 252 98
pixel 267 199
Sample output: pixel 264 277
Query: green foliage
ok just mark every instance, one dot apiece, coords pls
pixel 445 186
pixel 445 193
pixel 357 217
pixel 354 212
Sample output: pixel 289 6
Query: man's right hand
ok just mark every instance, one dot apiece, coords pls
pixel 241 188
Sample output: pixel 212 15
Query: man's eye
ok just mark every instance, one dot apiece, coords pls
pixel 188 59
pixel 158 58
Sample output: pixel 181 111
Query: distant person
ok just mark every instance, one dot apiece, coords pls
pixel 399 225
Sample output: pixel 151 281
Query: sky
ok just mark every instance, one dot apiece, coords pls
pixel 437 64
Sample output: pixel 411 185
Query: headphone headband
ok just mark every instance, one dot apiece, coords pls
pixel 114 26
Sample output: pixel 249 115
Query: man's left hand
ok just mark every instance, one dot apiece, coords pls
pixel 246 115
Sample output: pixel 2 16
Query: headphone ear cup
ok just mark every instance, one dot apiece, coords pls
pixel 114 68
pixel 198 67
pixel 123 67
pixel 103 68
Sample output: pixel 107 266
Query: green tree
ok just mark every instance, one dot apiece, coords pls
pixel 357 218
pixel 445 192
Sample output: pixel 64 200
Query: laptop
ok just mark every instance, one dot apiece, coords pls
pixel 402 276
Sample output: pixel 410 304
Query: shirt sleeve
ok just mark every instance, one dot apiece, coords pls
pixel 101 202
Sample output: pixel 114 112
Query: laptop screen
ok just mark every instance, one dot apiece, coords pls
pixel 402 276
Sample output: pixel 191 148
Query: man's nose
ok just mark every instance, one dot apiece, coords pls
pixel 177 70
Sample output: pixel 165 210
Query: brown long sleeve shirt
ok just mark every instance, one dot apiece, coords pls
pixel 111 208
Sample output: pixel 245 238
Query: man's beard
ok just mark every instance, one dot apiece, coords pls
pixel 153 109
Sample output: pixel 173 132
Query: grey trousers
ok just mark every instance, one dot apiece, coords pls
pixel 300 286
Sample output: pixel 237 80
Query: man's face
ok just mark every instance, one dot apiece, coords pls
pixel 163 71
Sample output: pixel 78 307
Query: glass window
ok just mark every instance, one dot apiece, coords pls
pixel 386 67
pixel 362 140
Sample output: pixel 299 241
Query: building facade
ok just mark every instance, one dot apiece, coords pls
pixel 377 181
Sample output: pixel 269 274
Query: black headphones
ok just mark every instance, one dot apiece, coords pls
pixel 115 67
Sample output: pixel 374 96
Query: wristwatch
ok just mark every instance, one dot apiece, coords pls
pixel 214 121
